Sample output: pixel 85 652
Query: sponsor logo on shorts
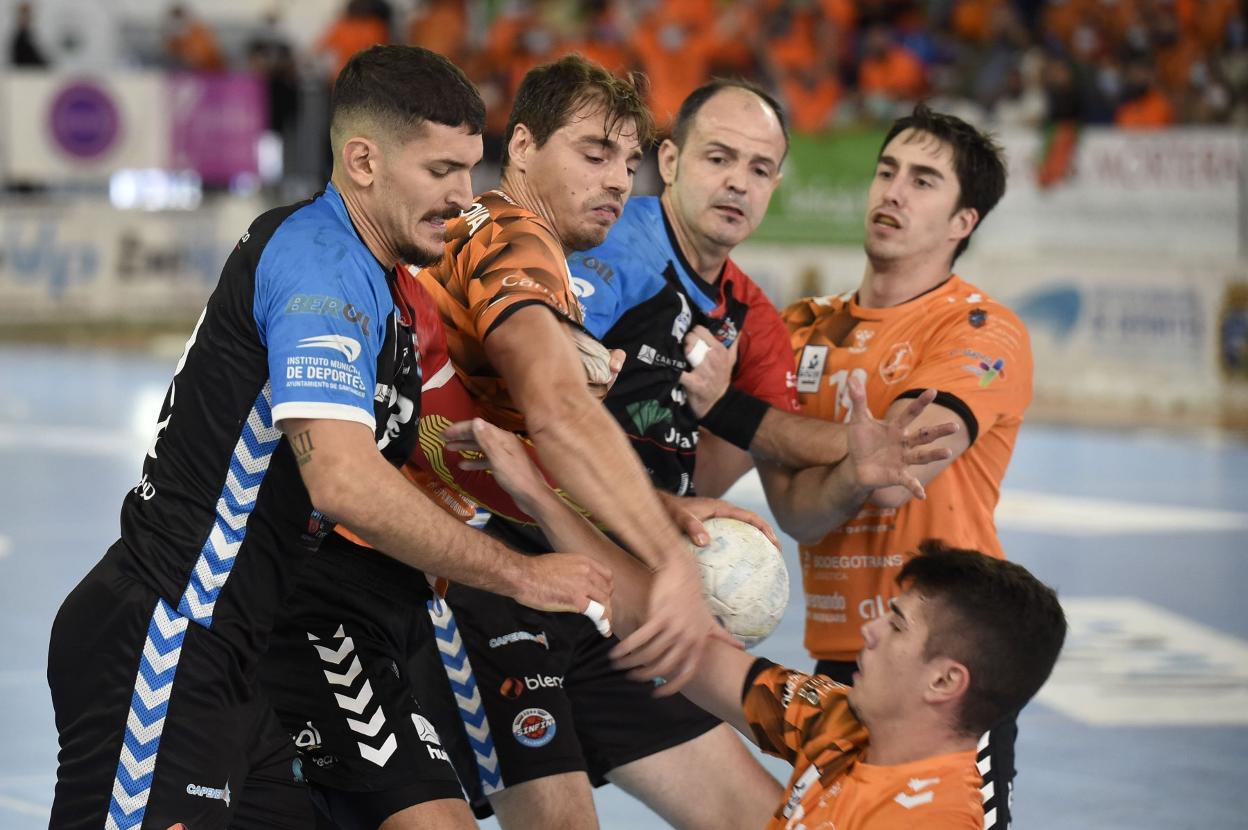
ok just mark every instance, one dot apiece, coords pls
pixel 308 738
pixel 426 732
pixel 513 687
pixel 534 727
pixel 222 794
pixel 520 637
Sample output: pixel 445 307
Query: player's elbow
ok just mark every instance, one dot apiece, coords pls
pixel 332 481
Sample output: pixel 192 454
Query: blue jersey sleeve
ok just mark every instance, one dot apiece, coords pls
pixel 625 269
pixel 321 320
pixel 594 283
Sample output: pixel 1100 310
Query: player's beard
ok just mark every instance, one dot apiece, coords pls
pixel 590 235
pixel 420 256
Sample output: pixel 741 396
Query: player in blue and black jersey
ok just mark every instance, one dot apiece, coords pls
pixel 296 397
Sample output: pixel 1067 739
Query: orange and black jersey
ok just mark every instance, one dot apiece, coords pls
pixel 500 257
pixel 807 721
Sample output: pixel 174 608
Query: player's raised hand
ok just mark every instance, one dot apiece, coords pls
pixel 711 366
pixel 689 512
pixel 881 452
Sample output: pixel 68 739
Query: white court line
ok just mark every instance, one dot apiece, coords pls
pixel 1059 515
pixel 1131 663
pixel 26 808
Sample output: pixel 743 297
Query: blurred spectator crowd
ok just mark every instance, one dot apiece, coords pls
pixel 1135 63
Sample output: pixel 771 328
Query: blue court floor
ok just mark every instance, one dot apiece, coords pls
pixel 1144 533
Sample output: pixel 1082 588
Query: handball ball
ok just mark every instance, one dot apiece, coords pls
pixel 744 579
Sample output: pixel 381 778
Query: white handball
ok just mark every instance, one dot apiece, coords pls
pixel 744 579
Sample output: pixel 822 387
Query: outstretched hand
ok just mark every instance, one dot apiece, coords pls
pixel 689 512
pixel 882 451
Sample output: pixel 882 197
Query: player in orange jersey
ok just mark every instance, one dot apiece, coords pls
pixel 967 640
pixel 911 325
pixel 559 717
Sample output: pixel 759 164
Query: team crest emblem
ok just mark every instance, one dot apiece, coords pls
pixel 897 364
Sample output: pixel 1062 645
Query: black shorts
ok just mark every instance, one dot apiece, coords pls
pixel 349 668
pixel 995 757
pixel 158 723
pixel 538 696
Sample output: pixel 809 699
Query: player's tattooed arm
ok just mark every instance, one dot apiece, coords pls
pixel 349 481
pixel 301 443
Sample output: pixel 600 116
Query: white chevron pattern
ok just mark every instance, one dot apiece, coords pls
pixel 336 656
pixel 380 755
pixel 360 702
pixel 372 727
pixel 347 677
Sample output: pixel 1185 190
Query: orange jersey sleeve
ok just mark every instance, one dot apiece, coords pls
pixel 800 717
pixel 979 363
pixel 499 258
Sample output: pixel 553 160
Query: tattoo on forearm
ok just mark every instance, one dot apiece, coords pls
pixel 302 445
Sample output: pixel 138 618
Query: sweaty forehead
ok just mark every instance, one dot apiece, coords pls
pixel 594 123
pixel 739 118
pixel 918 147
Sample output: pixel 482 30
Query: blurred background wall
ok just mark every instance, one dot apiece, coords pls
pixel 139 138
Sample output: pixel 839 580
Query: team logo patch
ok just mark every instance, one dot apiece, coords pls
pixel 977 318
pixel 534 727
pixel 349 347
pixel 988 370
pixel 810 369
pixel 898 364
pixel 861 338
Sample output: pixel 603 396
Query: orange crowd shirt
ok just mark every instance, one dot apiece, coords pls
pixel 807 721
pixel 976 353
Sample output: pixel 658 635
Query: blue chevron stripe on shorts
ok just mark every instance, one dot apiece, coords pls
pixel 163 647
pixel 467 696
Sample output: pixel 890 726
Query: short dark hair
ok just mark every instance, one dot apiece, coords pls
pixel 399 88
pixel 978 160
pixel 695 100
pixel 552 94
pixel 995 618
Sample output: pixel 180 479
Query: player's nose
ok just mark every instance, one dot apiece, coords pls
pixel 460 196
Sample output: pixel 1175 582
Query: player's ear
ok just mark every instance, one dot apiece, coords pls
pixel 668 154
pixel 359 160
pixel 949 682
pixel 962 223
pixel 519 146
